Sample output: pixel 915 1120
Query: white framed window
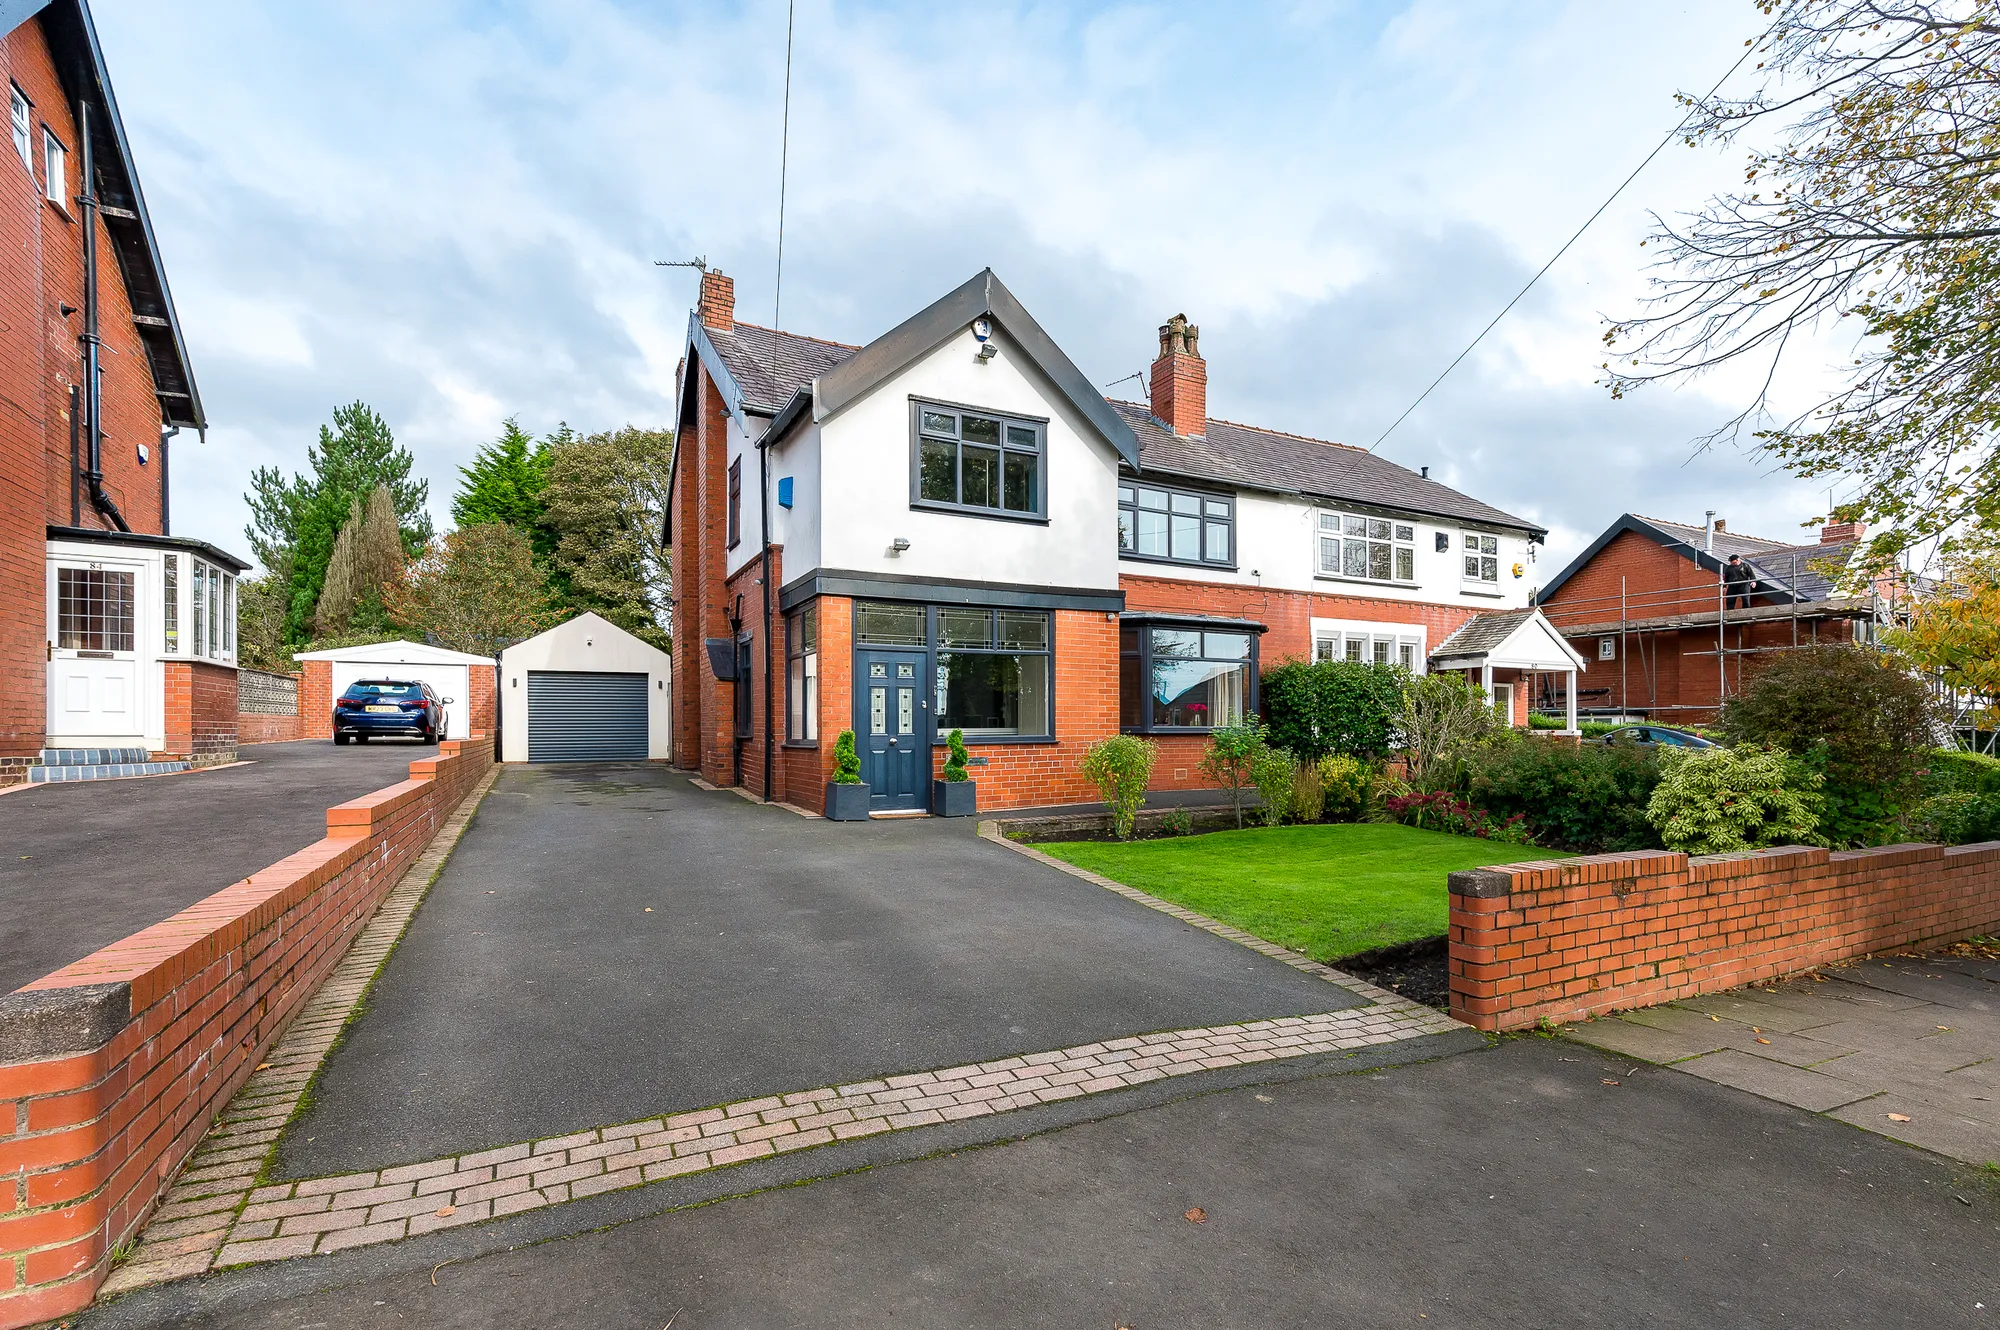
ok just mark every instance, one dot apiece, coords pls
pixel 18 117
pixel 1367 548
pixel 55 170
pixel 1370 643
pixel 802 675
pixel 170 605
pixel 1481 553
pixel 199 608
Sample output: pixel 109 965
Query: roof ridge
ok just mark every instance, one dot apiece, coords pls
pixel 1260 429
pixel 1696 526
pixel 803 337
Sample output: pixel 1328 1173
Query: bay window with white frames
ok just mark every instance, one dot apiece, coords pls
pixel 1366 643
pixel 198 613
pixel 1367 548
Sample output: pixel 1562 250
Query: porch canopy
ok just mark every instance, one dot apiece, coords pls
pixel 1511 640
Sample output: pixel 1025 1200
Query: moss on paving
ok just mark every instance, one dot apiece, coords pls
pixel 1328 891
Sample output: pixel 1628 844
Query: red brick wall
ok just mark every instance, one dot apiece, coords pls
pixel 200 710
pixel 254 728
pixel 41 269
pixel 1580 937
pixel 482 708
pixel 1286 615
pixel 90 1138
pixel 703 722
pixel 316 699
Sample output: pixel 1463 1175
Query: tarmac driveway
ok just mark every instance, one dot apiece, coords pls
pixel 86 864
pixel 609 942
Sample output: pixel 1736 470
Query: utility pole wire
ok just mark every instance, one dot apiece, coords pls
pixel 784 161
pixel 1672 134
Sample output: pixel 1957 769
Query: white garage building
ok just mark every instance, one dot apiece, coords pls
pixel 447 672
pixel 585 691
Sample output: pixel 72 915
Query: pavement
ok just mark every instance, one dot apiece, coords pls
pixel 609 943
pixel 88 863
pixel 1536 1184
pixel 1904 1046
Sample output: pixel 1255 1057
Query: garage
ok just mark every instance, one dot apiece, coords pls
pixel 585 691
pixel 464 679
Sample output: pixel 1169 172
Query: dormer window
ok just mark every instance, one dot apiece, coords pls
pixel 978 462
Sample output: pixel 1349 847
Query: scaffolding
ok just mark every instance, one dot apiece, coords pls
pixel 1637 619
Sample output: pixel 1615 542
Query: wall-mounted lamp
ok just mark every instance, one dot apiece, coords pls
pixel 897 546
pixel 987 352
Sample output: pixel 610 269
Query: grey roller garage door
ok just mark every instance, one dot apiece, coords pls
pixel 579 717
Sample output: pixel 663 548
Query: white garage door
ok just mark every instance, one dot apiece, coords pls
pixel 445 680
pixel 578 716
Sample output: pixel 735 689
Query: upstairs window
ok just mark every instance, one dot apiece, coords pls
pixel 55 170
pixel 1482 557
pixel 1371 549
pixel 974 462
pixel 18 107
pixel 1181 526
pixel 735 503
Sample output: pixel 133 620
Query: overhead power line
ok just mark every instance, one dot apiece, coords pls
pixel 1672 134
pixel 784 160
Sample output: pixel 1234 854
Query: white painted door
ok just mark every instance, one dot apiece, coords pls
pixel 1503 702
pixel 94 691
pixel 447 681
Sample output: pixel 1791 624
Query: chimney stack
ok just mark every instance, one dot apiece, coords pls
pixel 1721 525
pixel 1180 379
pixel 718 301
pixel 1839 533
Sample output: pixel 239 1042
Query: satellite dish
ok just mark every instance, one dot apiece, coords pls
pixel 982 327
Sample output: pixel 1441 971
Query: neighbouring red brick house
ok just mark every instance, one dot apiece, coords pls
pixel 964 533
pixel 1647 605
pixel 117 639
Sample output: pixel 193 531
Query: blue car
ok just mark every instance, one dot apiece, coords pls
pixel 1658 736
pixel 393 708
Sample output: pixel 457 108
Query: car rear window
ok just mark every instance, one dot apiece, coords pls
pixel 384 690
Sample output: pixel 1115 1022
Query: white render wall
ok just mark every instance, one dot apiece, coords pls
pixel 587 643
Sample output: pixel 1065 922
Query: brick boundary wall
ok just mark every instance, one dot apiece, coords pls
pixel 113 1068
pixel 254 728
pixel 1572 938
pixel 201 710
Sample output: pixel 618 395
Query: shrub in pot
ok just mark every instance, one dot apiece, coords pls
pixel 956 794
pixel 846 794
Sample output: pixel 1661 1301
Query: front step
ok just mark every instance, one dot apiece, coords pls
pixel 46 773
pixel 93 757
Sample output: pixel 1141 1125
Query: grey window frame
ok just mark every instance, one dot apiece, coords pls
pixel 735 526
pixel 1040 426
pixel 932 646
pixel 1252 700
pixel 1203 520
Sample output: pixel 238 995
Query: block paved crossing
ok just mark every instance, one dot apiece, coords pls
pixel 216 1217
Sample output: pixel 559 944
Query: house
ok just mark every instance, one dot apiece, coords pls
pixel 117 638
pixel 951 527
pixel 1647 604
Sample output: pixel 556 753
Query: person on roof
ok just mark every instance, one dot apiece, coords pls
pixel 1739 583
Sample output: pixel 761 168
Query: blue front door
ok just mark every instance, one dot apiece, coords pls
pixel 892 718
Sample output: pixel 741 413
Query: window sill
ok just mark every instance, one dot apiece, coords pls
pixel 807 745
pixel 59 209
pixel 1368 581
pixel 1169 729
pixel 1480 589
pixel 966 510
pixel 989 740
pixel 1130 556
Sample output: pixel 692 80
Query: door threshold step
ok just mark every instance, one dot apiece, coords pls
pixel 49 775
pixel 94 757
pixel 902 812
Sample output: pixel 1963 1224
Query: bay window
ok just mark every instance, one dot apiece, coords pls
pixel 1370 643
pixel 802 676
pixel 978 462
pixel 170 605
pixel 1181 526
pixel 1372 549
pixel 1186 674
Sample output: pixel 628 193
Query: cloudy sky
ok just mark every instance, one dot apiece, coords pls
pixel 451 211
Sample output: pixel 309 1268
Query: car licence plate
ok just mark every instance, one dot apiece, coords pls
pixel 383 710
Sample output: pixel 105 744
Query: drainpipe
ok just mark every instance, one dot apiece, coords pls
pixel 165 435
pixel 764 529
pixel 93 474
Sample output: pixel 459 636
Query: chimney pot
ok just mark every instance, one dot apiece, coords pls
pixel 1179 387
pixel 718 301
pixel 1721 525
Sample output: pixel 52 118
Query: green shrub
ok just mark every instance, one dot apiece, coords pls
pixel 1950 771
pixel 1121 767
pixel 1230 757
pixel 1443 717
pixel 1957 817
pixel 1345 785
pixel 1538 721
pixel 1590 798
pixel 1308 793
pixel 846 762
pixel 1722 800
pixel 1333 706
pixel 1177 822
pixel 1274 771
pixel 1866 724
pixel 955 756
pixel 1592 729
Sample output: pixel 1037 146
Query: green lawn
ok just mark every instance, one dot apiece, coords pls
pixel 1328 891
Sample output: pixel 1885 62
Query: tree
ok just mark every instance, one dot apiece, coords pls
pixel 367 556
pixel 260 623
pixel 478 589
pixel 1877 206
pixel 1230 759
pixel 1953 633
pixel 295 522
pixel 505 483
pixel 1867 724
pixel 1442 716
pixel 606 500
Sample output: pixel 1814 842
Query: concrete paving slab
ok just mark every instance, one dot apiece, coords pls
pixel 1773 1080
pixel 86 864
pixel 1771 1012
pixel 1930 1127
pixel 608 943
pixel 1924 983
pixel 1917 1045
pixel 1428 1195
pixel 1640 1040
